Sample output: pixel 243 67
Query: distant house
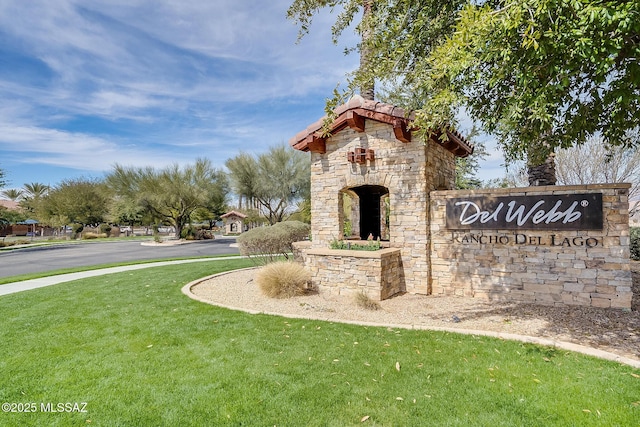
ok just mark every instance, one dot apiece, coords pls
pixel 234 222
pixel 12 229
pixel 10 205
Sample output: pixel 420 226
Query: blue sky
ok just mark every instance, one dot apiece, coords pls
pixel 85 85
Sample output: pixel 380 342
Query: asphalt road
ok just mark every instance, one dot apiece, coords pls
pixel 48 258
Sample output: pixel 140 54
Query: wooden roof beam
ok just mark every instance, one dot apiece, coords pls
pixel 355 121
pixel 316 144
pixel 400 130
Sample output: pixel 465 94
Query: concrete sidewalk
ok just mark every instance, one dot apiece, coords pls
pixel 12 288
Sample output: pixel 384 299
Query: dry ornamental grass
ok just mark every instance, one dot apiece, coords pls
pixel 364 301
pixel 283 279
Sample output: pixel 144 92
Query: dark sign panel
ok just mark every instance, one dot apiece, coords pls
pixel 545 212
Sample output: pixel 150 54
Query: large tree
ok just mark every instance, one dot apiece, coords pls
pixel 541 74
pixel 273 181
pixel 172 193
pixel 82 201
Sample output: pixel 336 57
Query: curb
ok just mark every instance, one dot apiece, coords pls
pixel 15 287
pixel 563 345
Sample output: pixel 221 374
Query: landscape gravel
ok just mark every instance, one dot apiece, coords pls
pixel 612 330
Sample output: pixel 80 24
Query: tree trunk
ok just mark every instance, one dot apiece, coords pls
pixel 544 173
pixel 367 90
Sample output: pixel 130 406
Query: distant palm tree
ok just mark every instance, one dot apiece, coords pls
pixel 36 190
pixel 12 194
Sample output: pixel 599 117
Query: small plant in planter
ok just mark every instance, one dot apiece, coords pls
pixel 371 245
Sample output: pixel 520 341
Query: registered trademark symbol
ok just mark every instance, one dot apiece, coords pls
pixel 584 203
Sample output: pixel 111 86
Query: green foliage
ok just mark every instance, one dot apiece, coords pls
pixel 82 201
pixel 400 34
pixel 634 246
pixel 36 189
pixel 3 182
pixel 76 229
pixel 170 195
pixel 274 181
pixel 303 213
pixel 371 245
pixel 467 168
pixel 267 244
pixel 189 232
pixel 192 232
pixel 105 229
pixel 542 74
pixel 283 279
pixel 347 228
pixel 10 216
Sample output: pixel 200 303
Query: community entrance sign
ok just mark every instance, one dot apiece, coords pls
pixel 544 212
pixel 371 176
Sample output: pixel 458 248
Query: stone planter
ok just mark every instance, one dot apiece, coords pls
pixel 346 272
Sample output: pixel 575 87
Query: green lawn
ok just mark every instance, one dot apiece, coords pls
pixel 139 353
pixel 23 277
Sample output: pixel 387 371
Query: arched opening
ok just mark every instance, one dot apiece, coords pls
pixel 365 212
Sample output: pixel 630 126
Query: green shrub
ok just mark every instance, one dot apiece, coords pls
pixel 204 234
pixel 105 229
pixel 266 244
pixel 76 229
pixel 283 279
pixel 634 246
pixel 189 232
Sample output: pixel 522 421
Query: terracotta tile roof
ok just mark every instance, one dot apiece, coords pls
pixel 10 204
pixel 353 114
pixel 232 213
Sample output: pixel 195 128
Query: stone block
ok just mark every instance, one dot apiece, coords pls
pixel 600 302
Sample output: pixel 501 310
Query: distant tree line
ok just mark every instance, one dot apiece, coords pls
pixel 269 186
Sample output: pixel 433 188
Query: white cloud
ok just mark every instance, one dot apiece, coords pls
pixel 153 82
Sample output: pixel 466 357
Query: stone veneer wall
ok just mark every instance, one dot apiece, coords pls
pixel 410 171
pixel 533 270
pixel 345 272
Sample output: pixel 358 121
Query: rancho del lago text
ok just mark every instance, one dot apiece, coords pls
pixel 525 239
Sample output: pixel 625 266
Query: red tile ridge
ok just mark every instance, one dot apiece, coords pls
pixel 358 103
